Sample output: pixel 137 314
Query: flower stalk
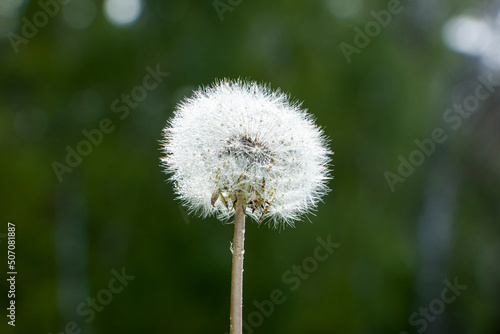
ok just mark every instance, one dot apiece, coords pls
pixel 238 250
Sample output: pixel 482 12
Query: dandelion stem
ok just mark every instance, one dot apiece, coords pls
pixel 236 314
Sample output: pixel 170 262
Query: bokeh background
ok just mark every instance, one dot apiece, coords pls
pixel 115 210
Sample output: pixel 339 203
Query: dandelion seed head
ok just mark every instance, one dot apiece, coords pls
pixel 240 138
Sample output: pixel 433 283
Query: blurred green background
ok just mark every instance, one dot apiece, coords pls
pixel 64 68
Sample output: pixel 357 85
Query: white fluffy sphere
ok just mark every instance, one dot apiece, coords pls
pixel 237 138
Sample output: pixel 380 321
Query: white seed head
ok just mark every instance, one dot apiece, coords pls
pixel 240 139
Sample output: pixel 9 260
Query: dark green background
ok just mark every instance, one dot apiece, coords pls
pixel 116 210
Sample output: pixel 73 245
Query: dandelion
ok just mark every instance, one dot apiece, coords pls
pixel 239 148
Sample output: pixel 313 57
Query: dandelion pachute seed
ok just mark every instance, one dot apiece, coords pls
pixel 237 138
